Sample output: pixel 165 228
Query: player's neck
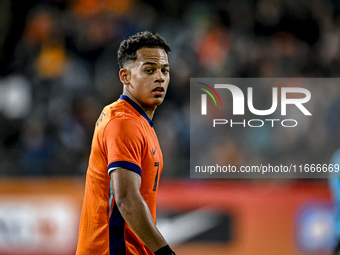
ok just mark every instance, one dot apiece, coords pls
pixel 148 110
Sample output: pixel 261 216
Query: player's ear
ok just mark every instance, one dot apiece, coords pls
pixel 124 75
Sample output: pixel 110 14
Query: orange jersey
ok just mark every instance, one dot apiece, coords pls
pixel 123 138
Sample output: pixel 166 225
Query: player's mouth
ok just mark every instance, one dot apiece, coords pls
pixel 158 91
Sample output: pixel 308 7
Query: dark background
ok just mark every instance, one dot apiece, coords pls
pixel 58 69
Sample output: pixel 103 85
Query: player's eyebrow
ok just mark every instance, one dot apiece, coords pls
pixel 154 64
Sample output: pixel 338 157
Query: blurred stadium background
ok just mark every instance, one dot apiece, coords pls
pixel 58 69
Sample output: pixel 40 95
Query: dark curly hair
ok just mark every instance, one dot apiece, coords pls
pixel 128 48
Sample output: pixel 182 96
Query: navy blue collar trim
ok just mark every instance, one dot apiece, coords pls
pixel 137 107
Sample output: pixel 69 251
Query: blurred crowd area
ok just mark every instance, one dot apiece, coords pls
pixel 58 69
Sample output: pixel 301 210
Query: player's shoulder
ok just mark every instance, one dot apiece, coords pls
pixel 121 111
pixel 121 108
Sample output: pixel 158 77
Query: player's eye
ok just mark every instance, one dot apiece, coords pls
pixel 149 70
pixel 165 71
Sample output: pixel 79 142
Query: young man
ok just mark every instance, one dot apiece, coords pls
pixel 119 208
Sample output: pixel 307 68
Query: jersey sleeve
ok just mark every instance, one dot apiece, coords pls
pixel 123 140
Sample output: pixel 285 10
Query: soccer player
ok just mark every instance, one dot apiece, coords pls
pixel 119 208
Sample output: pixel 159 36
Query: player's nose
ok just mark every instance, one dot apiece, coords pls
pixel 159 76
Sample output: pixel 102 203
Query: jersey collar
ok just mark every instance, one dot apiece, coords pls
pixel 137 107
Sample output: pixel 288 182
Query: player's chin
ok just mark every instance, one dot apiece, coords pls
pixel 157 100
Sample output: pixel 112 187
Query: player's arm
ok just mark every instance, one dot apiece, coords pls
pixel 132 206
